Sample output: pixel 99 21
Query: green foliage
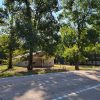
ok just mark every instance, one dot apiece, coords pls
pixel 19 51
pixel 4 43
pixel 93 49
pixel 47 26
pixel 70 52
pixel 93 36
pixel 68 35
pixel 30 26
pixel 79 31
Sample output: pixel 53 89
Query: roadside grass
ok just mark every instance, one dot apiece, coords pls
pixel 21 71
pixel 89 67
pixel 81 67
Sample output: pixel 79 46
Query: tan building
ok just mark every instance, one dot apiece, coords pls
pixel 39 60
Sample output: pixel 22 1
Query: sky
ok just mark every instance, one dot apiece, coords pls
pixel 1 2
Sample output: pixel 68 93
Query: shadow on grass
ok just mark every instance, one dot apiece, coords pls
pixel 41 71
pixel 16 71
pixel 4 71
pixel 12 72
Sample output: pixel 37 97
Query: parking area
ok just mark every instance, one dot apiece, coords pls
pixel 74 85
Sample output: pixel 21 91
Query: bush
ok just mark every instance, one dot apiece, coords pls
pixel 4 61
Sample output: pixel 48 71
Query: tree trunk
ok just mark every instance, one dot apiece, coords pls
pixel 95 58
pixel 77 66
pixel 10 50
pixel 79 47
pixel 77 61
pixel 29 17
pixel 30 62
pixel 10 59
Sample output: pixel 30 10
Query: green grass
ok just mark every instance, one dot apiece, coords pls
pixel 3 67
pixel 89 67
pixel 72 68
pixel 21 71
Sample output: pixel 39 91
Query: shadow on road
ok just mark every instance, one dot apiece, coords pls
pixel 51 86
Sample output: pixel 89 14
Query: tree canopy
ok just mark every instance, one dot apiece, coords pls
pixel 66 28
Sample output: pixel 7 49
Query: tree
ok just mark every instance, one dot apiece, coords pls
pixel 69 43
pixel 93 33
pixel 3 46
pixel 36 26
pixel 8 15
pixel 76 14
pixel 26 26
pixel 29 20
pixel 92 43
pixel 48 26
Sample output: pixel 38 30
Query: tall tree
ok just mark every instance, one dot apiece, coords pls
pixel 29 20
pixel 27 28
pixel 8 15
pixel 36 26
pixel 76 14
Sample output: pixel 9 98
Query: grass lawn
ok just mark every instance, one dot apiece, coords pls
pixel 21 71
pixel 81 67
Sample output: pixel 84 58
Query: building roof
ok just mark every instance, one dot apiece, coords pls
pixel 35 54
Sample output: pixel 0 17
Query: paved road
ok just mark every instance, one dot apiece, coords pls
pixel 77 85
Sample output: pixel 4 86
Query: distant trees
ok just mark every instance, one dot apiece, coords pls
pixel 93 43
pixel 69 43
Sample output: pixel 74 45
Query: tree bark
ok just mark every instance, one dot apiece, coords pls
pixel 77 61
pixel 95 58
pixel 29 17
pixel 10 59
pixel 77 66
pixel 30 62
pixel 79 46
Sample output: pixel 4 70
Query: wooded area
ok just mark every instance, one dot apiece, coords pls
pixel 69 29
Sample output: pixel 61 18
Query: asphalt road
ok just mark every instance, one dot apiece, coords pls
pixel 77 85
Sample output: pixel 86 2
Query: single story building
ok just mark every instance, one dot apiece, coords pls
pixel 39 60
